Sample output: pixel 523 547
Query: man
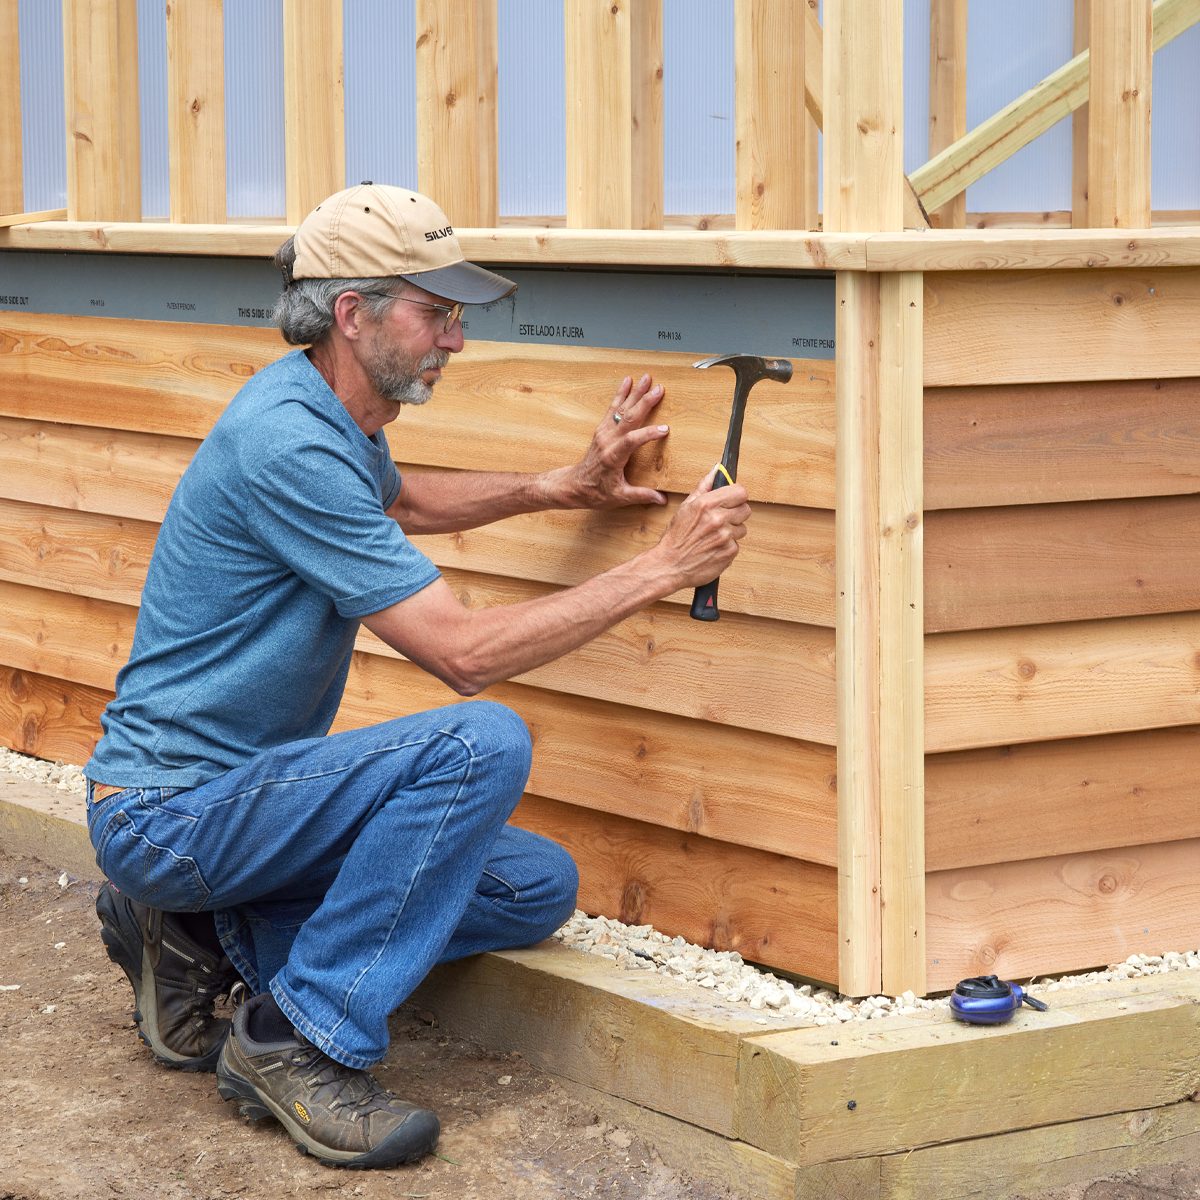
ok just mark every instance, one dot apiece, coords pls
pixel 332 872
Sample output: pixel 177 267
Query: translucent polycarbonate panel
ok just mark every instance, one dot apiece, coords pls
pixel 254 108
pixel 1175 124
pixel 43 114
pixel 1011 47
pixel 698 117
pixel 380 73
pixel 152 89
pixel 531 104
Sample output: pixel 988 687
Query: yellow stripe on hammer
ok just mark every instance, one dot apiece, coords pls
pixel 721 470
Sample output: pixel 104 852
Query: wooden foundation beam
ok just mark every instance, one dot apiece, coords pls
pixel 457 130
pixel 614 114
pixel 772 124
pixel 1119 121
pixel 196 110
pixel 100 67
pixel 313 105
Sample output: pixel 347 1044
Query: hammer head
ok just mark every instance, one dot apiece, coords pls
pixel 750 368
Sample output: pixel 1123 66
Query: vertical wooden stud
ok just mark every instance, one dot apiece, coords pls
pixel 901 632
pixel 12 186
pixel 856 557
pixel 614 113
pixel 196 110
pixel 1119 114
pixel 1079 126
pixel 771 119
pixel 457 131
pixel 100 72
pixel 812 175
pixel 880 634
pixel 864 164
pixel 948 94
pixel 314 103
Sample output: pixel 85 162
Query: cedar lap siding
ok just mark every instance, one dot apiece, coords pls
pixel 986 504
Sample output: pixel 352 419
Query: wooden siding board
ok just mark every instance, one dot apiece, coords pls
pixel 1030 684
pixel 1037 564
pixel 1031 327
pixel 770 909
pixel 1063 913
pixel 1080 794
pixel 1039 443
pixel 786 573
pixel 162 377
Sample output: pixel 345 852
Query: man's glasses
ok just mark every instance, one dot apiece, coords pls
pixel 453 312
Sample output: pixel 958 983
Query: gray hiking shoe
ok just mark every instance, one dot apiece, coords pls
pixel 335 1113
pixel 175 981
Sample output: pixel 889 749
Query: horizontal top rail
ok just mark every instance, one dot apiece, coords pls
pixel 777 250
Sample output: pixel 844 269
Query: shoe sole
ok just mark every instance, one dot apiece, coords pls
pixel 134 960
pixel 254 1106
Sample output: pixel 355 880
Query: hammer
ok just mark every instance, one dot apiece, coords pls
pixel 748 369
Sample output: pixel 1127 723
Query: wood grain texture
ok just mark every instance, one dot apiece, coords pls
pixel 636 1034
pixel 1031 114
pixel 85 640
pixel 1036 564
pixel 918 1084
pixel 784 572
pixel 1119 114
pixel 1030 1162
pixel 1078 216
pixel 901 636
pixel 766 675
pixel 614 114
pixel 1066 913
pixel 858 615
pixel 314 98
pixel 1039 443
pixel 457 131
pixel 996 686
pixel 948 94
pixel 724 784
pixel 769 909
pixel 196 110
pixel 98 470
pixel 162 377
pixel 1081 794
pixel 863 127
pixel 12 176
pixel 49 718
pixel 100 66
pixel 1040 327
pixel 772 124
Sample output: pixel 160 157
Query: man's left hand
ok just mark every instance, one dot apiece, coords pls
pixel 598 479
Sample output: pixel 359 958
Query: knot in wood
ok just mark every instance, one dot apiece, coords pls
pixel 1106 885
pixel 1026 668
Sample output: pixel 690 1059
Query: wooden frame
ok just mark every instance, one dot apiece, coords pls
pixel 987 388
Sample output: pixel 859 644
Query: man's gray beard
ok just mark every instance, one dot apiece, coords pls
pixel 395 380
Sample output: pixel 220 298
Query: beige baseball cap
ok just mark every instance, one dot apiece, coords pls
pixel 376 230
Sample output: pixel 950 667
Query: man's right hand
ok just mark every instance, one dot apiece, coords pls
pixel 702 539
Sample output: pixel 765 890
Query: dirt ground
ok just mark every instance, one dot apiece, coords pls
pixel 90 1116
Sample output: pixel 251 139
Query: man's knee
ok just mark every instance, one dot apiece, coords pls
pixel 494 731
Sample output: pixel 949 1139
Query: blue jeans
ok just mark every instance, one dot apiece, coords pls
pixel 340 869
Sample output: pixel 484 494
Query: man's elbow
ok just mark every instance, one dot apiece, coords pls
pixel 468 674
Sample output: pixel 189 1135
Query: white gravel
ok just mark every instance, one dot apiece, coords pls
pixel 719 972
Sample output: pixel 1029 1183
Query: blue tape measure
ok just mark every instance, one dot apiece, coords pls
pixel 986 1000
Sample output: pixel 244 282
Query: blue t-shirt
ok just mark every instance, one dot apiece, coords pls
pixel 275 544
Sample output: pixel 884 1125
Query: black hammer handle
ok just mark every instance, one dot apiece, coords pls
pixel 704 602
